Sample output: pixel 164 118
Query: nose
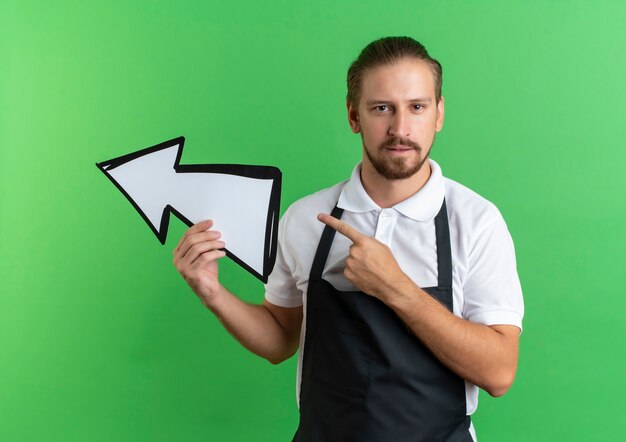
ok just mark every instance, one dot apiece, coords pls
pixel 399 125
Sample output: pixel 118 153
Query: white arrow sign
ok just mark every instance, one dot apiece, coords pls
pixel 242 200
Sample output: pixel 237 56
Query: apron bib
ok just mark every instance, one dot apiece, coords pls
pixel 365 376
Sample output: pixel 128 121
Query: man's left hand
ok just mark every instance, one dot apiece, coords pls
pixel 370 265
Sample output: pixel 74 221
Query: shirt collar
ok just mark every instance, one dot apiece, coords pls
pixel 422 206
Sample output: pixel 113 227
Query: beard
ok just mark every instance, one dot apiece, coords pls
pixel 396 168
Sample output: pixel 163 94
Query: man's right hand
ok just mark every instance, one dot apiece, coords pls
pixel 195 258
pixel 267 330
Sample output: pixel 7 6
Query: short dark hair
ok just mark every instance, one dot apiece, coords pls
pixel 388 50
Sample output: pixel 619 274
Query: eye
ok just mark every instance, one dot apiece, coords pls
pixel 418 107
pixel 381 108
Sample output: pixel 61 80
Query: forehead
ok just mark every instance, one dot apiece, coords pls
pixel 405 79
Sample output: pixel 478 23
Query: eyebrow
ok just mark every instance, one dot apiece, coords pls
pixel 413 100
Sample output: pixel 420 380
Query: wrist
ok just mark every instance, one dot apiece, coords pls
pixel 400 292
pixel 214 297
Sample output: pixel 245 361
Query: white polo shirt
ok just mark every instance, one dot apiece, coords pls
pixel 486 287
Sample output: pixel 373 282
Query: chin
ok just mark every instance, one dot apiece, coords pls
pixel 398 170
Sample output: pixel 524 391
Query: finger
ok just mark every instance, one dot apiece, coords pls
pixel 342 227
pixel 198 227
pixel 197 249
pixel 190 241
pixel 208 257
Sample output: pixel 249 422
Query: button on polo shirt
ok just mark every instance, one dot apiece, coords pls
pixel 485 284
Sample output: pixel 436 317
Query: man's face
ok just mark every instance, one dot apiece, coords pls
pixel 397 117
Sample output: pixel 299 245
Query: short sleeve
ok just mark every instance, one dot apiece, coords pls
pixel 281 288
pixel 492 291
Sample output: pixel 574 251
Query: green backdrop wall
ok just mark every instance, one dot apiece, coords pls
pixel 101 340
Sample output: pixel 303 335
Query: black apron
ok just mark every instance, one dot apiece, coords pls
pixel 365 376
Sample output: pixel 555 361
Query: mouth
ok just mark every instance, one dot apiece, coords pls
pixel 399 148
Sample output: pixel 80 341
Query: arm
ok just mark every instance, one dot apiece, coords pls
pixel 483 355
pixel 267 330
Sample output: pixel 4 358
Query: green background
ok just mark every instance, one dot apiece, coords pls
pixel 100 338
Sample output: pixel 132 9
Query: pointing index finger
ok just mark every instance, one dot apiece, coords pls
pixel 342 227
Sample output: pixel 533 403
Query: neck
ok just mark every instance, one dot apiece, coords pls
pixel 387 193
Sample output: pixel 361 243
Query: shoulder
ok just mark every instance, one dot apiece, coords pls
pixel 301 215
pixel 469 209
pixel 323 200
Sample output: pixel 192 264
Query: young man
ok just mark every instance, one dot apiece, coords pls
pixel 412 306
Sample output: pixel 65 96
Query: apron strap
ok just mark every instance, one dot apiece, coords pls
pixel 324 247
pixel 444 253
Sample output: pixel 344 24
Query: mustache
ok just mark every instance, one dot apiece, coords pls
pixel 399 140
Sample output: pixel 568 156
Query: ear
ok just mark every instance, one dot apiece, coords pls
pixel 353 118
pixel 440 115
